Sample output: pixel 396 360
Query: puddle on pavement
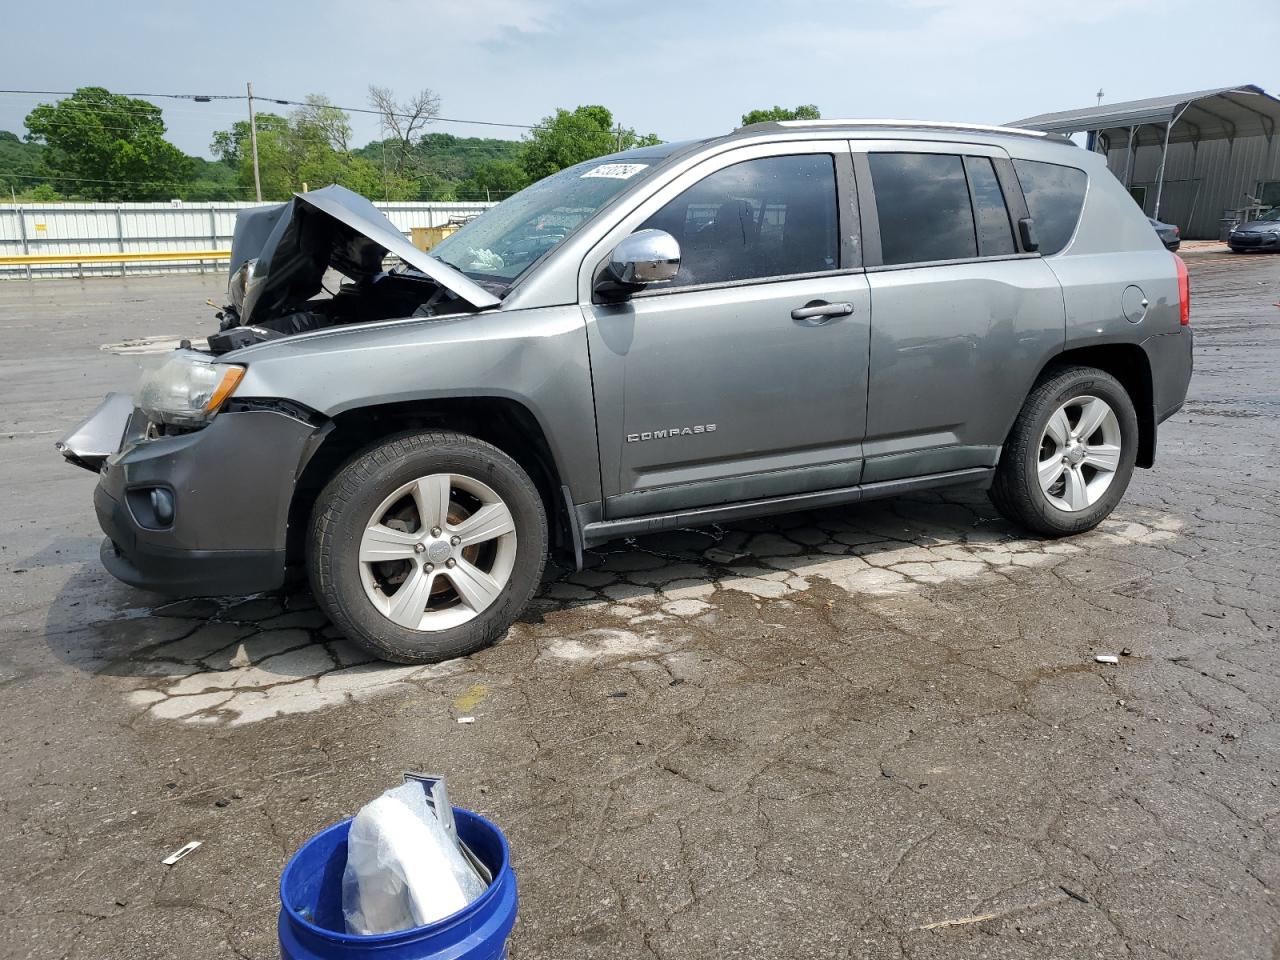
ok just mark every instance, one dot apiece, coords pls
pixel 247 660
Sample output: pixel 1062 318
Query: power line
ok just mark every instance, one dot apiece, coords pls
pixel 151 183
pixel 404 116
pixel 200 98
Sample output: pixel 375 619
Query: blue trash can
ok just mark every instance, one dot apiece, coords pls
pixel 312 926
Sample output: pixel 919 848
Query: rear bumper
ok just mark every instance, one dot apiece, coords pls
pixel 230 486
pixel 1171 359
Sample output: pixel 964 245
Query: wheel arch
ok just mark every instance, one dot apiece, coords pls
pixel 502 421
pixel 1129 364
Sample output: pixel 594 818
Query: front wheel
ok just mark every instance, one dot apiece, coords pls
pixel 427 546
pixel 1070 454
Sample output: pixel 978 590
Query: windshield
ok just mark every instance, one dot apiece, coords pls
pixel 1273 214
pixel 503 242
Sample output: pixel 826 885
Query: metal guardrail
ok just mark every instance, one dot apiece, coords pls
pixel 123 259
pixel 163 256
pixel 78 233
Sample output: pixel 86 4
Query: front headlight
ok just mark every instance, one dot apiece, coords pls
pixel 242 281
pixel 186 390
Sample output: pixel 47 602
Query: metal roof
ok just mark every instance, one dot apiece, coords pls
pixel 1219 114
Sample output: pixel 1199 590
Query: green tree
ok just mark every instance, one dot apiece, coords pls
pixel 20 164
pixel 569 137
pixel 108 147
pixel 806 111
pixel 439 163
pixel 493 180
pixel 211 180
pixel 41 193
pixel 325 121
pixel 308 148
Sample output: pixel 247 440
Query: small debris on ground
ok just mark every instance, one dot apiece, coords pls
pixel 181 852
pixel 1073 894
pixel 959 921
pixel 1107 658
pixel 466 719
pixel 720 555
pixel 1126 652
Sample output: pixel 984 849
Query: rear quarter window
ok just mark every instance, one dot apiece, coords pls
pixel 1055 196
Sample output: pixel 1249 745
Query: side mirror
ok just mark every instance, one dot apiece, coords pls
pixel 1027 233
pixel 645 257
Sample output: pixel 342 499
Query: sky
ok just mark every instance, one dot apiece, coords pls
pixel 677 69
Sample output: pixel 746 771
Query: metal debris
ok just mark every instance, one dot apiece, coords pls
pixel 181 852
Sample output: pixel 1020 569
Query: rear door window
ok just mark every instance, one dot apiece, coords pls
pixel 1055 196
pixel 770 217
pixel 922 200
pixel 995 234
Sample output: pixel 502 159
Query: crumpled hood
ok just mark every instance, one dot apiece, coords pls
pixel 295 242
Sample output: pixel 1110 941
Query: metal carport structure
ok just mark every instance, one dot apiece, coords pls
pixel 1224 113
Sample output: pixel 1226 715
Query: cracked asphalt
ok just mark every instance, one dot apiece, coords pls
pixel 870 732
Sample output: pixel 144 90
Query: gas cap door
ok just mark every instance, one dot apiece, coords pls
pixel 1134 303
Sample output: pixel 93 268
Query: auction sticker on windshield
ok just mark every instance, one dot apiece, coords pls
pixel 615 171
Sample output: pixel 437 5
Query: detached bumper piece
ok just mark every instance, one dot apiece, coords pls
pixel 100 435
pixel 204 513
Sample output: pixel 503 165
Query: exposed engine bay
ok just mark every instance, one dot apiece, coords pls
pixel 280 256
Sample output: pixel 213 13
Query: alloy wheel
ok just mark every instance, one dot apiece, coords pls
pixel 1079 453
pixel 437 552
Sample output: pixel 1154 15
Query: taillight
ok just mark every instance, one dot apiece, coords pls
pixel 1184 292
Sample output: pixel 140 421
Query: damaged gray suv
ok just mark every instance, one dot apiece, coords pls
pixel 795 315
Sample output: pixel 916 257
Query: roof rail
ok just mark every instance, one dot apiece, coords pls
pixel 913 125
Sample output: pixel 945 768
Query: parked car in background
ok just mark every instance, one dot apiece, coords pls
pixel 1260 234
pixel 795 315
pixel 1169 233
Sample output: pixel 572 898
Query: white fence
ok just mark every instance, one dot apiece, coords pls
pixel 105 228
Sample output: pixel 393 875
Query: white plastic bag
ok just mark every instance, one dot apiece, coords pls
pixel 403 870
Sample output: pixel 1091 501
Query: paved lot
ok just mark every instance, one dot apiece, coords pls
pixel 869 732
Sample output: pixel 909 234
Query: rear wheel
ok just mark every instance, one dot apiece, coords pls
pixel 427 546
pixel 1070 454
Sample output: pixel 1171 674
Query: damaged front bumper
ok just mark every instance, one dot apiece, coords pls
pixel 204 513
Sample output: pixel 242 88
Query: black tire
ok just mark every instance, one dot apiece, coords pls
pixel 1016 491
pixel 346 505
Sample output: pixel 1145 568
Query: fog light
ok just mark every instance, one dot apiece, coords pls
pixel 162 506
pixel 153 508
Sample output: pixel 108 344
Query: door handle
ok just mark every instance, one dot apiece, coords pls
pixel 819 311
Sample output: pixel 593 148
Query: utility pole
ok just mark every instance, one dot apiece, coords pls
pixel 618 137
pixel 253 141
pixel 1099 96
